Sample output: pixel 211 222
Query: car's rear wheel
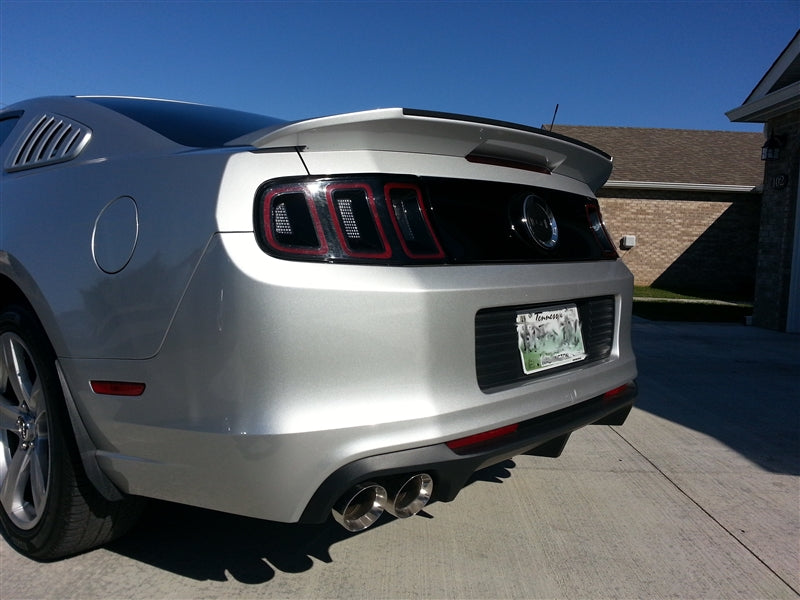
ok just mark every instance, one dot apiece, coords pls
pixel 49 507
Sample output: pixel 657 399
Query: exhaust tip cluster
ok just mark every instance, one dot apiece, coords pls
pixel 365 503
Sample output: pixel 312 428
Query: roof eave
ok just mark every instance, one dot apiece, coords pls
pixel 772 105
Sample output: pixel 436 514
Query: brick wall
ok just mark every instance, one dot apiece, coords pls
pixel 777 227
pixel 687 242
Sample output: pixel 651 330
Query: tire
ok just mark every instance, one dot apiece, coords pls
pixel 48 507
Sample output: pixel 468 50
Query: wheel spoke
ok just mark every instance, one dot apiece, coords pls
pixel 12 488
pixel 3 364
pixel 9 413
pixel 38 475
pixel 41 462
pixel 36 398
pixel 16 368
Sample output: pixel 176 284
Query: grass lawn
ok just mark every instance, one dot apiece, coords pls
pixel 663 305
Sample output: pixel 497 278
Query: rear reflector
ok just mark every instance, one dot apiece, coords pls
pixel 117 388
pixel 481 438
pixel 623 389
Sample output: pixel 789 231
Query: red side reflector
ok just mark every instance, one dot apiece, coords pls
pixel 117 388
pixel 480 438
pixel 611 394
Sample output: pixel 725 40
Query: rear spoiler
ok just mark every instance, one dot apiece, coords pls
pixel 416 131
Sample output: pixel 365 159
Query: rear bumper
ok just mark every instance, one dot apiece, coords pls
pixel 545 435
pixel 280 383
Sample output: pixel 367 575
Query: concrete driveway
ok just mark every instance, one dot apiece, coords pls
pixel 696 496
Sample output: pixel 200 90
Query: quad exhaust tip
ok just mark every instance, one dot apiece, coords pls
pixel 360 507
pixel 411 496
pixel 366 502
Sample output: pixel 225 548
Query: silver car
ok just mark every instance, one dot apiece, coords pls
pixel 290 320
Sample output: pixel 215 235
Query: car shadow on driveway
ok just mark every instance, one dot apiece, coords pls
pixel 734 383
pixel 206 545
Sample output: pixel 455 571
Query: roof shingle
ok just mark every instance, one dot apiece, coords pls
pixel 677 155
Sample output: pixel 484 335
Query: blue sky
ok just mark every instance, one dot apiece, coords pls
pixel 644 64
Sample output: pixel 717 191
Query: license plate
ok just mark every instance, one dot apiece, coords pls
pixel 549 338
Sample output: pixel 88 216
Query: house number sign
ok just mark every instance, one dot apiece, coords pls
pixel 779 181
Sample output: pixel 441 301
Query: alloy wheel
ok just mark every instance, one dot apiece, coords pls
pixel 24 440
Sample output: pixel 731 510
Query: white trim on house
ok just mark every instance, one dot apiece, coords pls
pixel 686 187
pixel 763 103
pixel 765 108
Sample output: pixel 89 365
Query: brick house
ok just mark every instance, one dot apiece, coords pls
pixel 775 101
pixel 691 198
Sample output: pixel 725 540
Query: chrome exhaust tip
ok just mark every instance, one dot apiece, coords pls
pixel 411 496
pixel 360 507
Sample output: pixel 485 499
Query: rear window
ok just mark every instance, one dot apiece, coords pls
pixel 6 126
pixel 193 125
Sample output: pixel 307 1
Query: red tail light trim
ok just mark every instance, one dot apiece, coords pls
pixel 269 222
pixel 437 251
pixel 599 230
pixel 347 224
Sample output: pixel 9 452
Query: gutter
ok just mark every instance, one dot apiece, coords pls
pixel 685 187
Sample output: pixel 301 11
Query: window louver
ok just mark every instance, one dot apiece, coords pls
pixel 49 139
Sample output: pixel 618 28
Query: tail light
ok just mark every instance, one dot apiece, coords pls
pixel 411 222
pixel 599 230
pixel 355 220
pixel 407 220
pixel 291 223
